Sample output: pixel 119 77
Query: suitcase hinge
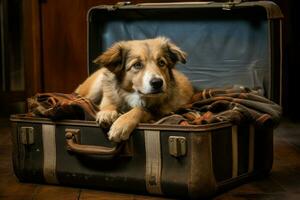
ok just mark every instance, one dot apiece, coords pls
pixel 231 4
pixel 118 5
pixel 27 135
pixel 177 146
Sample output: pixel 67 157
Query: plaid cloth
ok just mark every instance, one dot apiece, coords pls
pixel 57 106
pixel 237 105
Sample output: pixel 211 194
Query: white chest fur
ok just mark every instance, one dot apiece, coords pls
pixel 134 100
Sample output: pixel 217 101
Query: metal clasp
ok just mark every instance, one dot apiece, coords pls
pixel 231 4
pixel 27 135
pixel 177 146
pixel 118 5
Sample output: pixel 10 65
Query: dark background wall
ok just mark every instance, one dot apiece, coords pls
pixel 291 63
pixel 291 57
pixel 43 49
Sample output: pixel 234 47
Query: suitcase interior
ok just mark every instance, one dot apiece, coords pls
pixel 225 47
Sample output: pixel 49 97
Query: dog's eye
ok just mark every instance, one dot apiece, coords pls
pixel 161 63
pixel 137 65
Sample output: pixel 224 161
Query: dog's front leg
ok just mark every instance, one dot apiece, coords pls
pixel 108 112
pixel 126 123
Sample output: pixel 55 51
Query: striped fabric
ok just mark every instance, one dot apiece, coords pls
pixel 236 105
pixel 62 106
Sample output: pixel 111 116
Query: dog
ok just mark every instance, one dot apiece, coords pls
pixel 137 78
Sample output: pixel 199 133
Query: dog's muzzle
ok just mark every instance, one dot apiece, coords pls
pixel 152 87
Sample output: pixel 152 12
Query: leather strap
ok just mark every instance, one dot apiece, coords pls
pixel 153 162
pixel 235 166
pixel 251 148
pixel 49 147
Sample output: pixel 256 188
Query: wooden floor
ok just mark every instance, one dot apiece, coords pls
pixel 283 183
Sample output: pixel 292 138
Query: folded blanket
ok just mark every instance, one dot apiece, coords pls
pixel 57 106
pixel 236 105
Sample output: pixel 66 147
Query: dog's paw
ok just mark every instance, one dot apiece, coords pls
pixel 121 129
pixel 106 118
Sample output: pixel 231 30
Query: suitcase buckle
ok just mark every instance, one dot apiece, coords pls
pixel 177 146
pixel 231 4
pixel 118 5
pixel 27 135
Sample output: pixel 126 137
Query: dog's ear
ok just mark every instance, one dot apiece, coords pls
pixel 175 53
pixel 113 58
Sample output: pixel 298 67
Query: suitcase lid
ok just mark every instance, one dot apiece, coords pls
pixel 227 43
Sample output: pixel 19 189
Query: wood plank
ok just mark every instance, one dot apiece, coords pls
pixel 103 195
pixel 64 44
pixel 260 186
pixel 279 196
pixel 49 192
pixel 289 131
pixel 286 170
pixel 32 48
pixel 11 188
pixel 5 160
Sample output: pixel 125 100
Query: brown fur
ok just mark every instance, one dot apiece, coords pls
pixel 124 84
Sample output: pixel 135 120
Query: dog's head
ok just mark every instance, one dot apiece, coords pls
pixel 144 66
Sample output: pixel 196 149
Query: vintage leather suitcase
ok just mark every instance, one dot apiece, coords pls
pixel 227 43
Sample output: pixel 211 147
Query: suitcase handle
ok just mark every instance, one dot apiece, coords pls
pixel 73 146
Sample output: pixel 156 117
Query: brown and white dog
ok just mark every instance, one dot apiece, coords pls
pixel 138 79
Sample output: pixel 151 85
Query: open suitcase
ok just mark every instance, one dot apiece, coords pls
pixel 227 43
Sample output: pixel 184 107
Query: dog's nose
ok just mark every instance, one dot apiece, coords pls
pixel 156 83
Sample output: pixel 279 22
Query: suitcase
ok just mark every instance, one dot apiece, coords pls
pixel 227 43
